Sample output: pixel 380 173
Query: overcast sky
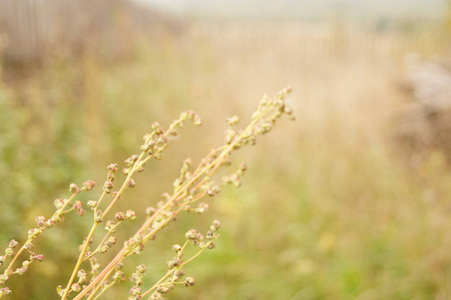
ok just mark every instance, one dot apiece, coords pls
pixel 302 8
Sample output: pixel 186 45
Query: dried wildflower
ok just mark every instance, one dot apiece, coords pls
pixel 119 216
pixel 3 278
pixel 58 203
pixel 98 215
pixel 78 207
pixel 233 120
pixel 131 215
pixel 134 277
pixel 131 183
pixel 163 289
pixel 193 234
pixel 13 244
pixel 38 257
pixel 91 204
pixel 88 185
pixel 40 220
pixel 119 276
pixel 82 276
pixel 134 291
pixel 150 211
pixel 73 188
pixel 216 225
pixel 189 281
pixel 203 207
pixel 176 248
pixel 189 187
pixel 108 186
pixel 5 291
pixel 76 287
pixel 112 167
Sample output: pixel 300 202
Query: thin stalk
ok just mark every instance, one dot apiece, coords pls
pixel 105 272
pixel 103 240
pixel 101 292
pixel 95 224
pixel 124 185
pixel 29 240
pixel 104 290
pixel 158 283
pixel 171 271
pixel 79 260
pixel 179 192
pixel 98 286
pixel 193 257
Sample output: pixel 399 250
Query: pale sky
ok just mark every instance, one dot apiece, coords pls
pixel 302 8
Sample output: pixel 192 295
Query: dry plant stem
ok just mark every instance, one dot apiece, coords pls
pixel 96 224
pixel 29 240
pixel 261 123
pixel 211 168
pixel 139 163
pixel 104 290
pixel 103 241
pixel 170 272
pixel 79 261
pixel 115 261
pixel 157 284
pixel 126 252
pixel 97 288
pixel 124 184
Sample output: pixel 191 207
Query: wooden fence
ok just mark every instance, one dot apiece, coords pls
pixel 31 28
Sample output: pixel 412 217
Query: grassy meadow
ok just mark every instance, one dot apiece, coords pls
pixel 331 206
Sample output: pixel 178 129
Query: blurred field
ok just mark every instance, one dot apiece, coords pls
pixel 331 208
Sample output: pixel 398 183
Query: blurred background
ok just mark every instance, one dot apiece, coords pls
pixel 351 201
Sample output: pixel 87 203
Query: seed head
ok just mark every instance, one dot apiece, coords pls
pixel 3 278
pixel 119 216
pixel 98 216
pixel 141 269
pixel 131 215
pixel 88 185
pixel 176 261
pixel 76 287
pixel 73 188
pixel 215 226
pixel 5 291
pixel 108 186
pixel 91 204
pixel 119 276
pixel 58 203
pixel 112 167
pixel 162 289
pixel 131 183
pixel 189 281
pixel 177 248
pixel 233 120
pixel 34 257
pixel 82 276
pixel 13 244
pixel 135 291
pixel 150 211
pixel 40 220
